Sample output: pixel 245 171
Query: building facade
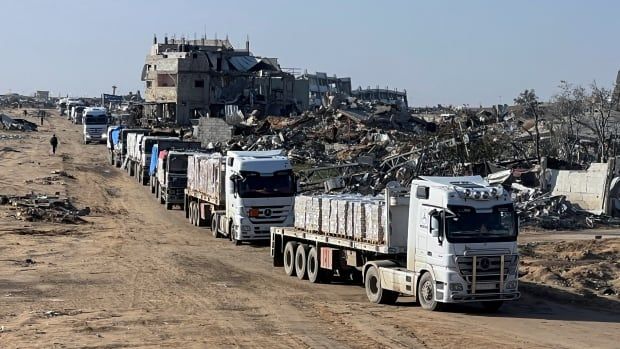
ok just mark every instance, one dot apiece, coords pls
pixel 189 79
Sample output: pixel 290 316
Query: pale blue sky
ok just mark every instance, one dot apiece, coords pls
pixel 449 52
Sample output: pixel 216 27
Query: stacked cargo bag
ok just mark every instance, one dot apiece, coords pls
pixel 343 209
pixel 375 221
pixel 326 206
pixel 359 220
pixel 313 213
pixel 350 223
pixel 333 217
pixel 300 211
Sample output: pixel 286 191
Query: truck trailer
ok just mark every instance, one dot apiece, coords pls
pixel 444 240
pixel 169 176
pixel 140 154
pixel 240 195
pixel 119 149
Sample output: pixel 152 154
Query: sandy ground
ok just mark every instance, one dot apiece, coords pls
pixel 136 275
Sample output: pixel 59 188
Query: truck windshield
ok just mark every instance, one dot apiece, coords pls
pixel 467 225
pixel 96 120
pixel 254 185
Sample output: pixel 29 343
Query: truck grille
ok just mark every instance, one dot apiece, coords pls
pixel 271 214
pixel 95 132
pixel 484 273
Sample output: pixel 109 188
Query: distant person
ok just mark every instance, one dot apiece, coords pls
pixel 25 112
pixel 54 143
pixel 42 114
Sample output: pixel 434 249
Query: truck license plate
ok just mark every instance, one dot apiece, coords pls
pixel 484 287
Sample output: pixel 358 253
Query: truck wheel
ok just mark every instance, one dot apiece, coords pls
pixel 315 274
pixel 289 258
pixel 168 206
pixel 426 293
pixel 374 291
pixel 190 210
pixel 196 214
pixel 199 221
pixel 301 261
pixel 231 235
pixel 152 185
pixel 214 231
pixel 492 306
pixel 111 159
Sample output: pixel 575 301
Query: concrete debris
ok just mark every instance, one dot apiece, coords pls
pixel 45 208
pixel 10 123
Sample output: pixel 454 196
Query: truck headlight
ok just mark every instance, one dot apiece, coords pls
pixel 246 228
pixel 512 284
pixel 456 287
pixel 88 136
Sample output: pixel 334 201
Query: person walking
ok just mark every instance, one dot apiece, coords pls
pixel 54 143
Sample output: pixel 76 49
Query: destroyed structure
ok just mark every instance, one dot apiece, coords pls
pixel 385 96
pixel 189 79
pixel 314 87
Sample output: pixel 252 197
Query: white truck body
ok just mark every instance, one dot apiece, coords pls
pixel 258 193
pixel 95 124
pixel 447 240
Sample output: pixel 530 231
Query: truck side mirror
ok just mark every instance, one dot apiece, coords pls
pixel 435 225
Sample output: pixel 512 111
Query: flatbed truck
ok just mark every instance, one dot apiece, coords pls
pixel 447 240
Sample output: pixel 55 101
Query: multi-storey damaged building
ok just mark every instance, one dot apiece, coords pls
pixel 313 87
pixel 187 79
pixel 382 95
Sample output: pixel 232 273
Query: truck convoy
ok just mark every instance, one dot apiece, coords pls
pixel 95 120
pixel 241 195
pixel 447 240
pixel 443 240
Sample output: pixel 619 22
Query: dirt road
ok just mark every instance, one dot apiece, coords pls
pixel 137 275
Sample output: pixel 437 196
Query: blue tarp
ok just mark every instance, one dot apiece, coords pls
pixel 154 158
pixel 116 133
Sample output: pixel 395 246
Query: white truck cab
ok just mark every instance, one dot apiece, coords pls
pixel 95 120
pixel 260 190
pixel 462 244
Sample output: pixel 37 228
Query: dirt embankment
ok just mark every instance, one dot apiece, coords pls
pixel 586 267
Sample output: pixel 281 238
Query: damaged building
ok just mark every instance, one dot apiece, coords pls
pixel 382 95
pixel 189 79
pixel 313 87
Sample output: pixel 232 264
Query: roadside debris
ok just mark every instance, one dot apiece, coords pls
pixel 37 207
pixel 10 123
pixel 57 177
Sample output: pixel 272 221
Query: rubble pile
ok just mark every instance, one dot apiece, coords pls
pixel 10 123
pixel 45 208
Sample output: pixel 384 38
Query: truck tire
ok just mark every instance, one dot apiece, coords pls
pixel 374 291
pixel 289 258
pixel 195 214
pixel 111 159
pixel 492 306
pixel 161 197
pixel 231 235
pixel 156 190
pixel 152 185
pixel 426 293
pixel 190 210
pixel 169 206
pixel 214 232
pixel 313 266
pixel 301 261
